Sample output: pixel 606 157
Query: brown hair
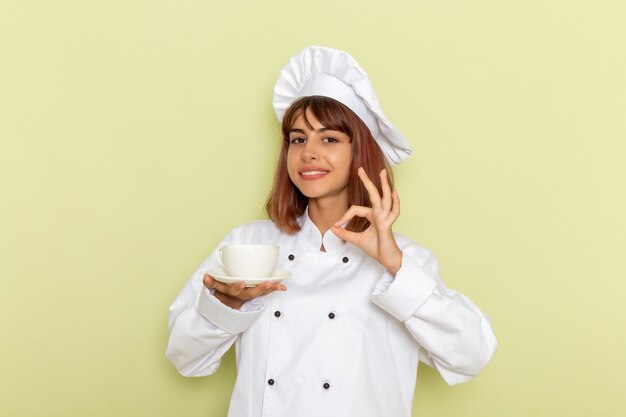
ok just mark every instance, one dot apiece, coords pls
pixel 286 203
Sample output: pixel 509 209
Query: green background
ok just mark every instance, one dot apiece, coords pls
pixel 135 134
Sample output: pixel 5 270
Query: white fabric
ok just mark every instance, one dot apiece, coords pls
pixel 322 71
pixel 368 353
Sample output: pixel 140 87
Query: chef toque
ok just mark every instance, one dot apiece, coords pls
pixel 321 71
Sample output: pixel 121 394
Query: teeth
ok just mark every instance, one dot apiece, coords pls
pixel 313 172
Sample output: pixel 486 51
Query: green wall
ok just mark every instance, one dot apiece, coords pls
pixel 135 134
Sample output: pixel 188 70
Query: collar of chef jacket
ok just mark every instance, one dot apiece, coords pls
pixel 311 238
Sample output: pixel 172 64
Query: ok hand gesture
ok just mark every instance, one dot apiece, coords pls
pixel 377 240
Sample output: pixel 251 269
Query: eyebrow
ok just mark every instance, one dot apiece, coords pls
pixel 320 130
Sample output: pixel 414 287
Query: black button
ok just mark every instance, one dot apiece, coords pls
pixel 291 257
pixel 277 313
pixel 270 381
pixel 345 259
pixel 331 315
pixel 326 385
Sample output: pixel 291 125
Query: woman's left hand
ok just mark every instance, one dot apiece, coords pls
pixel 377 240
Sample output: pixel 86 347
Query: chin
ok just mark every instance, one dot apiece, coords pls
pixel 309 193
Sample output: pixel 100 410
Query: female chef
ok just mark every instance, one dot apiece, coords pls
pixel 363 305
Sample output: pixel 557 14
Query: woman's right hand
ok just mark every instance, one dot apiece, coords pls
pixel 236 294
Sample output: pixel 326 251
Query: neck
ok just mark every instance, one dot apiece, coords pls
pixel 325 212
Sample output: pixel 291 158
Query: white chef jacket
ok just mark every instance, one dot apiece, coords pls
pixel 343 340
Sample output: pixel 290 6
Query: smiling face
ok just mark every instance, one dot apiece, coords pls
pixel 318 159
pixel 322 164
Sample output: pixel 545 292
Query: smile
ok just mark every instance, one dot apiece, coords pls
pixel 313 175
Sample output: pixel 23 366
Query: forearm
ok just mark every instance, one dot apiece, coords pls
pixel 457 336
pixel 195 345
pixel 203 329
pixel 455 333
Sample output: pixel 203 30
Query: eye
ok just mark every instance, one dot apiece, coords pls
pixel 330 139
pixel 297 140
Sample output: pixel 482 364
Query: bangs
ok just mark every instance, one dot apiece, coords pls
pixel 329 112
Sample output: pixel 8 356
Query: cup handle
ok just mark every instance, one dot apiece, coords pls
pixel 219 257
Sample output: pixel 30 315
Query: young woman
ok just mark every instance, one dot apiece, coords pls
pixel 344 334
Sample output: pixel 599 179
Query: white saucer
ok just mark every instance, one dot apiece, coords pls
pixel 220 275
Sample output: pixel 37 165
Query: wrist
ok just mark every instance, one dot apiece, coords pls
pixel 228 300
pixel 394 265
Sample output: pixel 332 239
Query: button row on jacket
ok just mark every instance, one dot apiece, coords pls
pixel 331 315
pixel 326 385
pixel 345 259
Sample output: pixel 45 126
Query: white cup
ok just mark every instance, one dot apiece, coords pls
pixel 248 261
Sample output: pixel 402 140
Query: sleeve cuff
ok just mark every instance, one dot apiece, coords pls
pixel 403 295
pixel 230 320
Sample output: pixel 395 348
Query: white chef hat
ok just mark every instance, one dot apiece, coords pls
pixel 321 71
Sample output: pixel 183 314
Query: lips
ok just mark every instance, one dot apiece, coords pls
pixel 312 172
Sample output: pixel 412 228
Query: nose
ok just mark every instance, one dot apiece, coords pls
pixel 309 152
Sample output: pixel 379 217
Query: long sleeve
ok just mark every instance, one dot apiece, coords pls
pixel 201 328
pixel 453 334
